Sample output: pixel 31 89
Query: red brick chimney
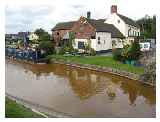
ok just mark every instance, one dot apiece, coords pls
pixel 114 9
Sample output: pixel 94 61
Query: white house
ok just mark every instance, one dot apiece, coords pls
pixel 96 33
pixel 125 25
pixel 103 34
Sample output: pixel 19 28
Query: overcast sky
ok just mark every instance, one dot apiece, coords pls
pixel 31 14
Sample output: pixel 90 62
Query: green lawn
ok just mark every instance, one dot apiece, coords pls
pixel 14 110
pixel 100 61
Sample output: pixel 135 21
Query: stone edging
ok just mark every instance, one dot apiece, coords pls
pixel 114 71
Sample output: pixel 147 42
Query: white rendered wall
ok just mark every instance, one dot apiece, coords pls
pixel 113 19
pixel 121 26
pixel 119 42
pixel 93 43
pixel 105 41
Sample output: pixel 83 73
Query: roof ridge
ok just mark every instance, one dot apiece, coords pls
pixel 128 20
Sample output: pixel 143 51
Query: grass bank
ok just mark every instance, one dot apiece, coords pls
pixel 14 110
pixel 106 61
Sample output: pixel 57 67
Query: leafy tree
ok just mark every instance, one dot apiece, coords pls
pixel 71 40
pixel 47 47
pixel 44 41
pixel 68 47
pixel 88 49
pixel 147 26
pixel 134 51
pixel 42 34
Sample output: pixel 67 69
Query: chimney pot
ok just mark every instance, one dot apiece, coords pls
pixel 114 9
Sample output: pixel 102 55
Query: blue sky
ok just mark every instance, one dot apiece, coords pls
pixel 28 15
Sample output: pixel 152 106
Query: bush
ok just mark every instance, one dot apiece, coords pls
pixel 117 55
pixel 92 52
pixel 47 46
pixel 61 51
pixel 134 52
pixel 131 52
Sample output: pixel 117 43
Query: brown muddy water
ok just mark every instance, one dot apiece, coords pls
pixel 79 92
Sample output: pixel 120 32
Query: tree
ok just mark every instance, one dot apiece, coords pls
pixel 42 34
pixel 88 49
pixel 147 26
pixel 134 51
pixel 47 47
pixel 44 42
pixel 71 40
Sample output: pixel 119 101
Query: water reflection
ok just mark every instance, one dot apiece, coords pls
pixel 86 83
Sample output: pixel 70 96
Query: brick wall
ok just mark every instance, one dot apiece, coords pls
pixel 58 35
pixel 83 30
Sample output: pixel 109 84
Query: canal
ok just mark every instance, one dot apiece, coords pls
pixel 79 92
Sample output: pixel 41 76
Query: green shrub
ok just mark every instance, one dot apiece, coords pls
pixel 61 51
pixel 92 52
pixel 117 55
pixel 134 52
pixel 47 46
pixel 131 52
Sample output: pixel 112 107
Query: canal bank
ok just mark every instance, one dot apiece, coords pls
pixel 121 73
pixel 35 110
pixel 17 109
pixel 79 92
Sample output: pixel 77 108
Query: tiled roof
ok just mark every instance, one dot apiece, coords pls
pixel 100 26
pixel 128 20
pixel 64 25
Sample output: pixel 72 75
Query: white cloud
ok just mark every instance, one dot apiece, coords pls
pixel 31 14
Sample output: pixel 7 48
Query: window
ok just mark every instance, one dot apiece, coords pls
pixel 57 33
pixel 81 45
pixel 118 21
pixel 114 43
pixel 138 34
pixel 99 42
pixel 104 41
pixel 133 33
pixel 131 41
pixel 99 38
pixel 119 41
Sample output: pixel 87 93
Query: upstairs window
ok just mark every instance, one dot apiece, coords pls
pixel 99 38
pixel 133 33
